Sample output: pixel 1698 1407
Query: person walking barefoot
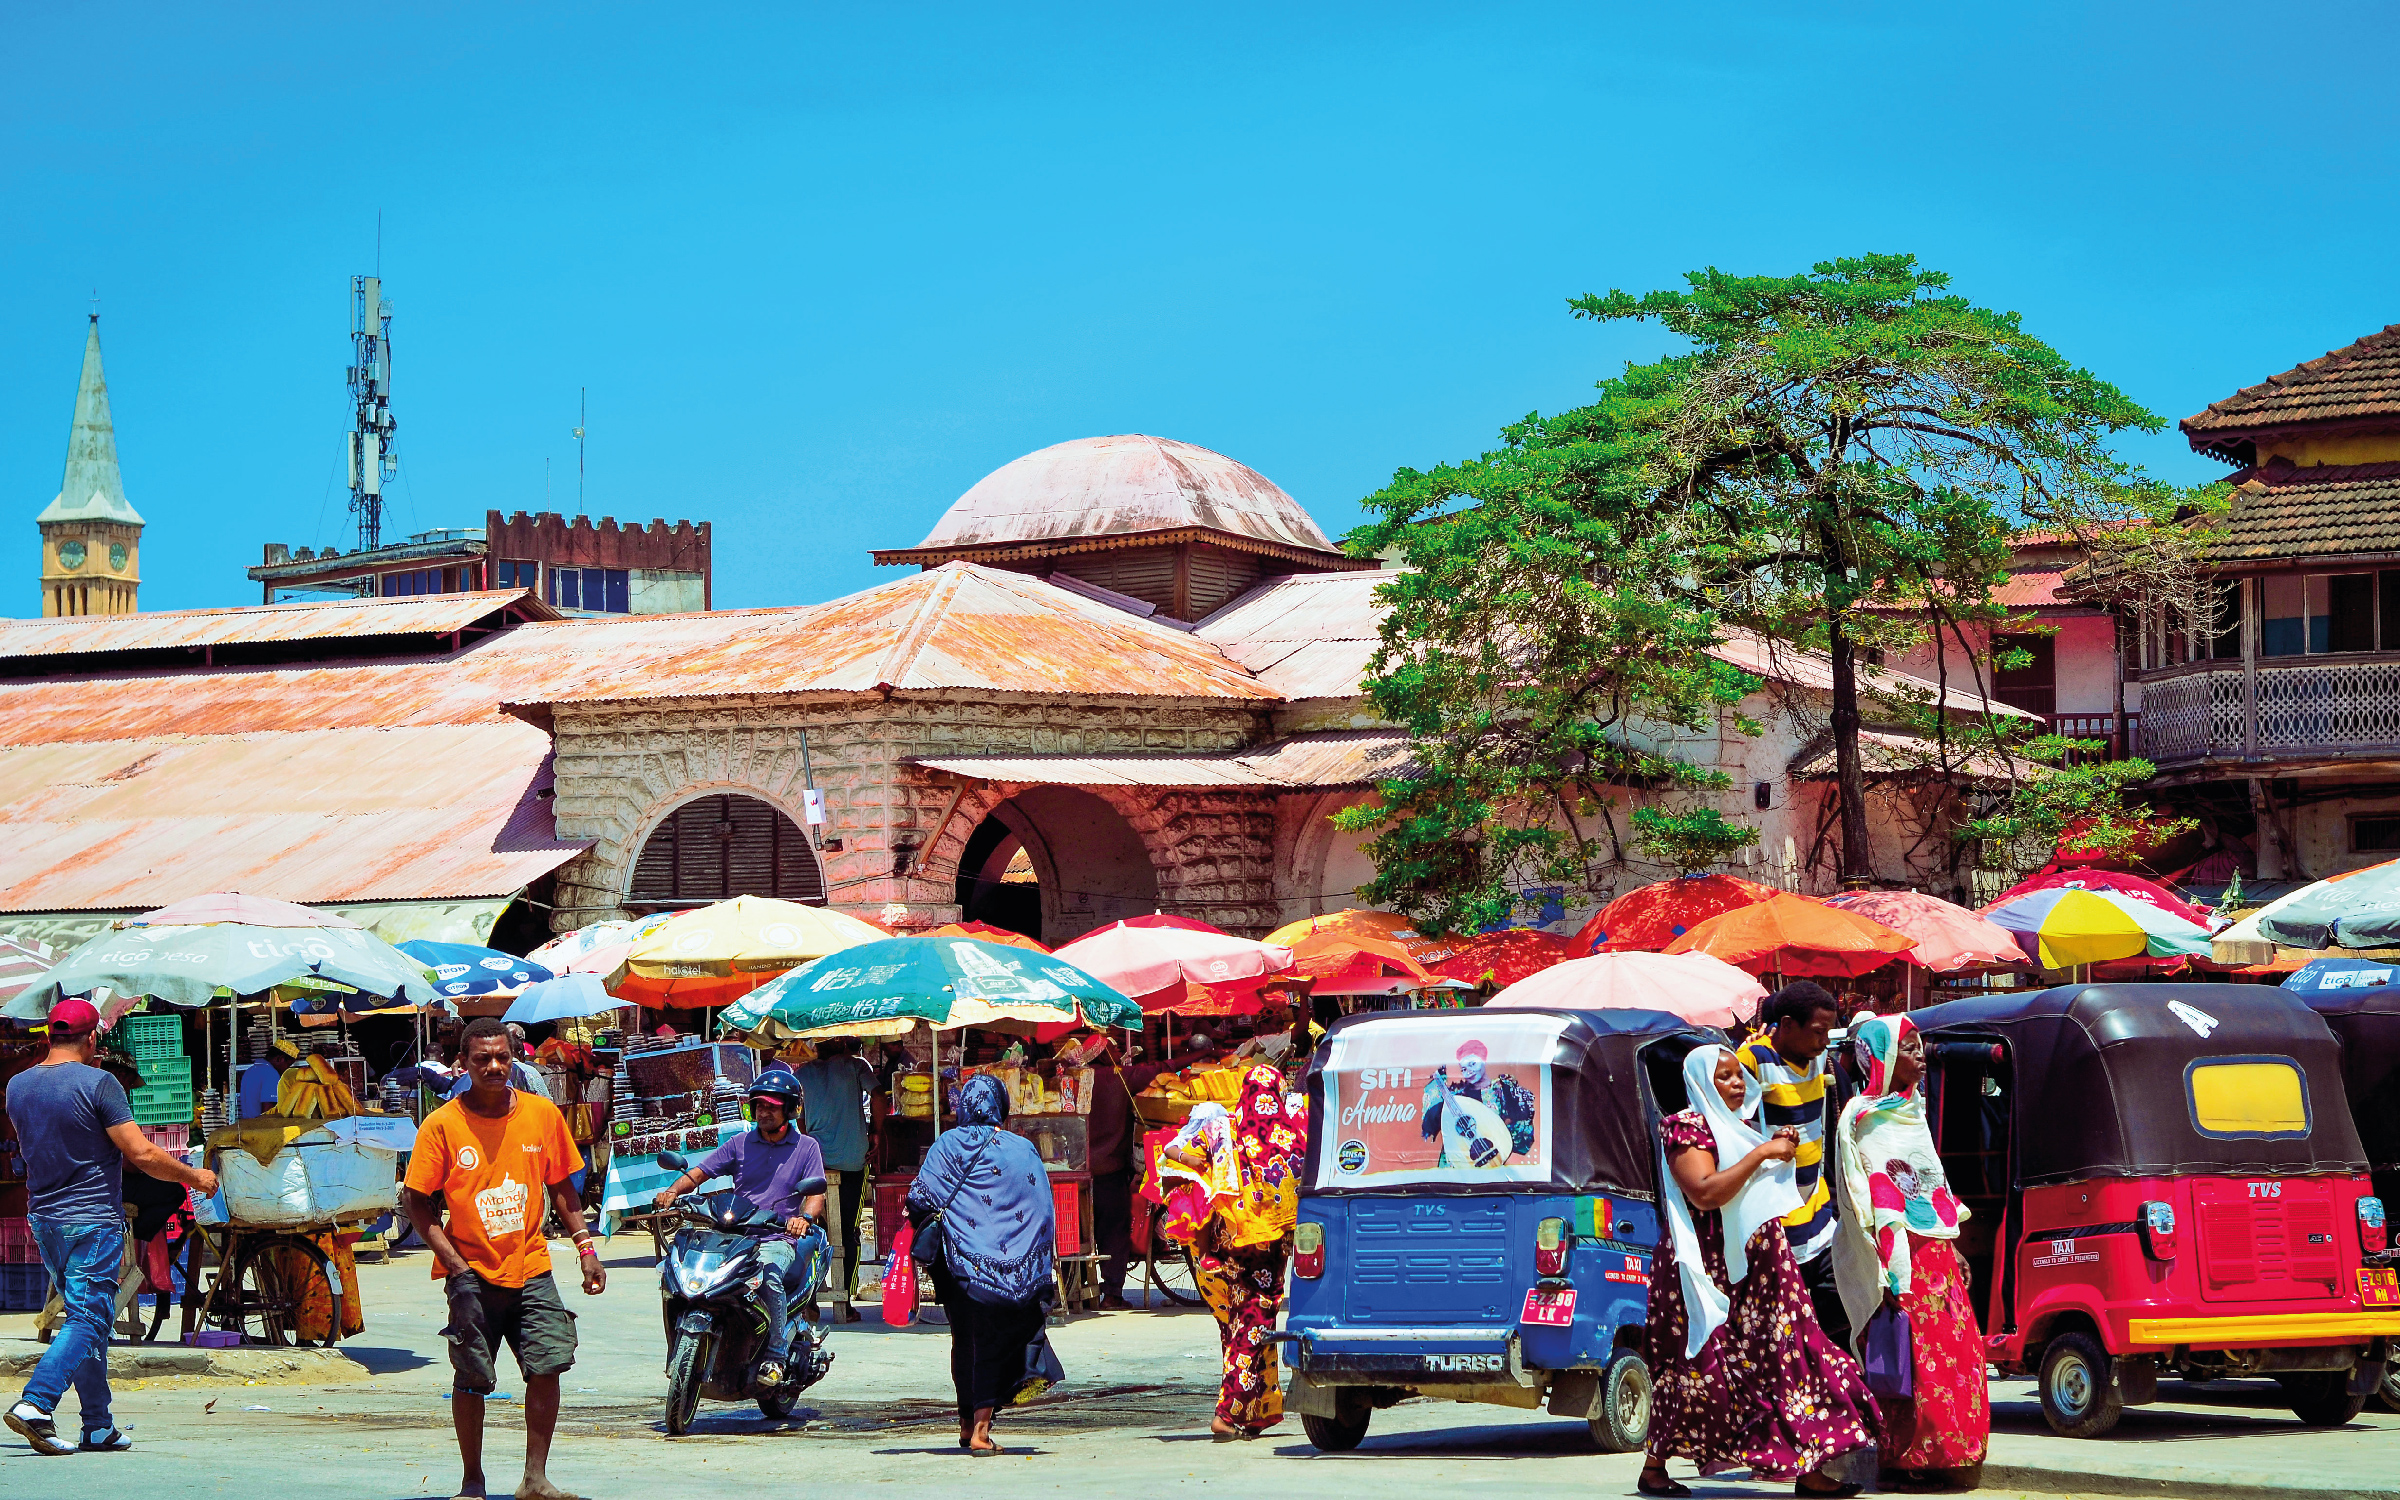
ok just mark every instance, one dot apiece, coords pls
pixel 495 1154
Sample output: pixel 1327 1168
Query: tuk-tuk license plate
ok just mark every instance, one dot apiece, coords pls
pixel 1545 1309
pixel 2376 1288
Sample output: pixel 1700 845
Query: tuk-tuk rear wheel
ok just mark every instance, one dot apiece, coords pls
pixel 1332 1434
pixel 2388 1392
pixel 1620 1415
pixel 2080 1394
pixel 2322 1398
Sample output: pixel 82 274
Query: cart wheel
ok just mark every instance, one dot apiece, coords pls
pixel 263 1300
pixel 1620 1415
pixel 2322 1398
pixel 1165 1260
pixel 2080 1394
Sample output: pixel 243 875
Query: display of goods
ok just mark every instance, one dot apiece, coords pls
pixel 314 1180
pixel 150 1036
pixel 694 1065
pixel 212 1110
pixel 23 1288
pixel 914 1095
pixel 1218 1083
pixel 312 1090
pixel 16 1243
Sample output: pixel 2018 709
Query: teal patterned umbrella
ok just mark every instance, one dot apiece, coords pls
pixel 893 986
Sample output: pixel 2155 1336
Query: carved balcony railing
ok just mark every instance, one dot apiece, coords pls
pixel 2280 709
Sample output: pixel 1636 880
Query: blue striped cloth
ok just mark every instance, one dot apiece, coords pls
pixel 635 1180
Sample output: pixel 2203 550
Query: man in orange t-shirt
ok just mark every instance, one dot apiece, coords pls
pixel 500 1159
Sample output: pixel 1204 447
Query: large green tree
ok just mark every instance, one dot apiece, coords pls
pixel 1833 456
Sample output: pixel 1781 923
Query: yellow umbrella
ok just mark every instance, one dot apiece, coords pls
pixel 720 953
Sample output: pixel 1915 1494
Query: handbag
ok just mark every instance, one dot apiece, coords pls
pixel 1887 1353
pixel 1042 1370
pixel 930 1240
pixel 900 1278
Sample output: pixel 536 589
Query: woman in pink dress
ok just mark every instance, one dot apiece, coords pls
pixel 1898 1227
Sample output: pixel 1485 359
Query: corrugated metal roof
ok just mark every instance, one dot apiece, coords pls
pixel 1304 635
pixel 1341 759
pixel 1883 753
pixel 958 626
pixel 1131 482
pixel 168 630
pixel 1810 669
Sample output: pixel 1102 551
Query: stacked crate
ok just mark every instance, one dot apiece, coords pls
pixel 164 1098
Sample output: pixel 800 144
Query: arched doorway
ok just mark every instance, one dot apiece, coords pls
pixel 717 847
pixel 1054 862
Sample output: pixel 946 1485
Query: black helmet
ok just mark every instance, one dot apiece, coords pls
pixel 778 1083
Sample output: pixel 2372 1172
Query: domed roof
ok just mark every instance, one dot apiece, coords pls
pixel 1110 486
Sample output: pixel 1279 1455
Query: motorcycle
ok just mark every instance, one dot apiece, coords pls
pixel 716 1320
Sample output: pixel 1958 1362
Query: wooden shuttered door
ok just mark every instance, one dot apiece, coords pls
pixel 716 848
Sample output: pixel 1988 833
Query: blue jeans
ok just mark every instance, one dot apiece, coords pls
pixel 83 1258
pixel 796 1264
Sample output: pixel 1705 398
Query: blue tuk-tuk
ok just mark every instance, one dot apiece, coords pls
pixel 1477 1215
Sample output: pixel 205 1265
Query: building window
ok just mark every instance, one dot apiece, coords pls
pixel 514 575
pixel 598 590
pixel 2032 687
pixel 2375 833
pixel 2225 626
pixel 716 848
pixel 421 581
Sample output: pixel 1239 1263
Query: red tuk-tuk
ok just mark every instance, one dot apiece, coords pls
pixel 2360 1000
pixel 2162 1177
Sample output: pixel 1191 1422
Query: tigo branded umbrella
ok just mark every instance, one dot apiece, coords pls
pixel 464 970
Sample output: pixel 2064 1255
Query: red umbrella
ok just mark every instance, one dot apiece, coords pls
pixel 1507 956
pixel 1160 919
pixel 1795 935
pixel 1700 989
pixel 1656 915
pixel 2149 892
pixel 1177 968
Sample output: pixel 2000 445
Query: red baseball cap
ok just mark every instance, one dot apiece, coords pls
pixel 73 1018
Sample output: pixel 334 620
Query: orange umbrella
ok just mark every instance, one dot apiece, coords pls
pixel 1382 935
pixel 1648 919
pixel 1507 956
pixel 988 933
pixel 1794 935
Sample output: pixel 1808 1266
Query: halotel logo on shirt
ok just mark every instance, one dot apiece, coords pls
pixel 501 1207
pixel 467 1158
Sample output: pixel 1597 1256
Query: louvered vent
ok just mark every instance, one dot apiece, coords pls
pixel 716 848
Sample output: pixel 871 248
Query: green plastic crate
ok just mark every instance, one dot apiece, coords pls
pixel 161 1104
pixel 151 1036
pixel 164 1070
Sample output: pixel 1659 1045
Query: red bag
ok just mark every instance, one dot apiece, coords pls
pixel 900 1278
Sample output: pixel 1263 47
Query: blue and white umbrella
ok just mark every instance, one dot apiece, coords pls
pixel 463 971
pixel 561 999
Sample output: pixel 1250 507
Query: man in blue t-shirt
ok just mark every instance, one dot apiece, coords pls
pixel 77 1134
pixel 767 1166
pixel 837 1085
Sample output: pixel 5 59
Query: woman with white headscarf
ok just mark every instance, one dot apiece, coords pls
pixel 1742 1376
pixel 1898 1249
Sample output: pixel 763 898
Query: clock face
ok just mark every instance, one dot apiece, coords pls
pixel 116 557
pixel 70 555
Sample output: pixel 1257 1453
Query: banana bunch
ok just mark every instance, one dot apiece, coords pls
pixel 312 1091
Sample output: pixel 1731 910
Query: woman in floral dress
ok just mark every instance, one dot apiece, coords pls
pixel 1742 1376
pixel 1233 1196
pixel 1898 1228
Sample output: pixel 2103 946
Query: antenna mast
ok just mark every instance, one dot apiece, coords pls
pixel 372 459
pixel 582 405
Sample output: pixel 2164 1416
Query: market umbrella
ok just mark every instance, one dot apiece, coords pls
pixel 598 947
pixel 563 998
pixel 1790 934
pixel 1655 915
pixel 1503 958
pixel 986 932
pixel 894 985
pixel 1344 950
pixel 1949 937
pixel 2061 928
pixel 2359 909
pixel 2117 882
pixel 1703 990
pixel 470 971
pixel 192 965
pixel 721 952
pixel 233 906
pixel 2329 976
pixel 1179 968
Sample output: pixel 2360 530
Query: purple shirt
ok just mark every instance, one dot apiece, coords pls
pixel 764 1172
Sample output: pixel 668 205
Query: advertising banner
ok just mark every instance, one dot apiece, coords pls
pixel 1466 1102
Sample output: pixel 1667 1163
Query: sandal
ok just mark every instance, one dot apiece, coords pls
pixel 1838 1492
pixel 1668 1487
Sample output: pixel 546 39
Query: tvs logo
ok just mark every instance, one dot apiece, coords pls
pixel 2266 1190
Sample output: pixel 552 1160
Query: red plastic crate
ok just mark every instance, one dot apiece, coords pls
pixel 16 1243
pixel 1067 1199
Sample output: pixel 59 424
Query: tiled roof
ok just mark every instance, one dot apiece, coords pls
pixel 2281 510
pixel 2362 380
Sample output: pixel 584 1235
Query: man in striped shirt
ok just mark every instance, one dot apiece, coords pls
pixel 1788 1059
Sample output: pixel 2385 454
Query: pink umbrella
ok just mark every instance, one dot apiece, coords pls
pixel 233 906
pixel 22 961
pixel 1139 960
pixel 1703 990
pixel 1949 937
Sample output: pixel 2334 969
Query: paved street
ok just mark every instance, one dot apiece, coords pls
pixel 1132 1421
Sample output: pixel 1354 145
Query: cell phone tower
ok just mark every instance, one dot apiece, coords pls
pixel 372 457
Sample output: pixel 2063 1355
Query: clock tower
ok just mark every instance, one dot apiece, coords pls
pixel 91 536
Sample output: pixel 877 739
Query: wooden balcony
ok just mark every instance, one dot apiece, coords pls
pixel 2280 712
pixel 2101 727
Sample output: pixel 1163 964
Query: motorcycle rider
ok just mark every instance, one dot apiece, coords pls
pixel 766 1164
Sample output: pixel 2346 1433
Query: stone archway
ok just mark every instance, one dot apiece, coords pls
pixel 1088 865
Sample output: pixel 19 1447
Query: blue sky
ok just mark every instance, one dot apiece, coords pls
pixel 822 269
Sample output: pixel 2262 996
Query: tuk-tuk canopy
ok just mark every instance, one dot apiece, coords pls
pixel 1491 1101
pixel 2158 1080
pixel 2365 1017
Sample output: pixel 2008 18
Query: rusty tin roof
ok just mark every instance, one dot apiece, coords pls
pixel 1343 758
pixel 184 629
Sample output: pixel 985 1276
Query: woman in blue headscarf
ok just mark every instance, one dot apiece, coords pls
pixel 990 1257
